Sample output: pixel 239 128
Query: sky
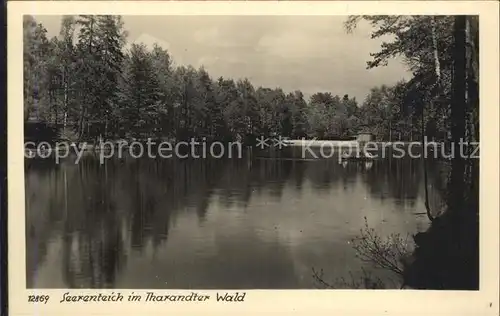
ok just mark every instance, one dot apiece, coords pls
pixel 307 53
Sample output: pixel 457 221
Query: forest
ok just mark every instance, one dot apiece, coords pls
pixel 84 84
pixel 87 83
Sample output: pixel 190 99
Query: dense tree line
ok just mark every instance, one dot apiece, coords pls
pixel 87 84
pixel 426 44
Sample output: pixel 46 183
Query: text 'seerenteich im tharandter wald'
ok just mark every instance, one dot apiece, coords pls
pixel 251 152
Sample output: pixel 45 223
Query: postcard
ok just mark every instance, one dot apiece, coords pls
pixel 253 157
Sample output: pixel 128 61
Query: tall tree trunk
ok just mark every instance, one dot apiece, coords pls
pixel 66 88
pixel 424 164
pixel 437 64
pixel 56 109
pixel 86 107
pixel 458 114
pixel 472 40
pixel 437 85
pixel 432 111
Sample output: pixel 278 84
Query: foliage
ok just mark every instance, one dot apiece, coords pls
pixel 443 54
pixel 426 45
pixel 386 253
pixel 390 253
pixel 367 281
pixel 68 134
pixel 85 79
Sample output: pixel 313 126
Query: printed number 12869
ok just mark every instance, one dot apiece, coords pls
pixel 38 299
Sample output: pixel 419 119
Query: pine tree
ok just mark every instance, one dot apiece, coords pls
pixel 162 64
pixel 141 98
pixel 111 39
pixel 35 72
pixel 88 69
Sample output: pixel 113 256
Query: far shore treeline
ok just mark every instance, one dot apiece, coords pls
pixel 84 83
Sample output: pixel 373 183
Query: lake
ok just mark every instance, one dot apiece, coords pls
pixel 249 223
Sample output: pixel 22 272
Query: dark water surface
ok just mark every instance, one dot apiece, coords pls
pixel 219 223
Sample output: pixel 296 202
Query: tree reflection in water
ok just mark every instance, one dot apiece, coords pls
pixel 103 215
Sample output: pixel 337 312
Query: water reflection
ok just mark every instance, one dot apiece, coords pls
pixel 226 223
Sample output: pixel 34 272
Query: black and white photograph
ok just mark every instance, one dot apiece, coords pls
pixel 251 152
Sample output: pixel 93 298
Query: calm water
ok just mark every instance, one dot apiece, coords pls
pixel 240 223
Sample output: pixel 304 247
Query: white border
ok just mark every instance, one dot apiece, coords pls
pixel 291 301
